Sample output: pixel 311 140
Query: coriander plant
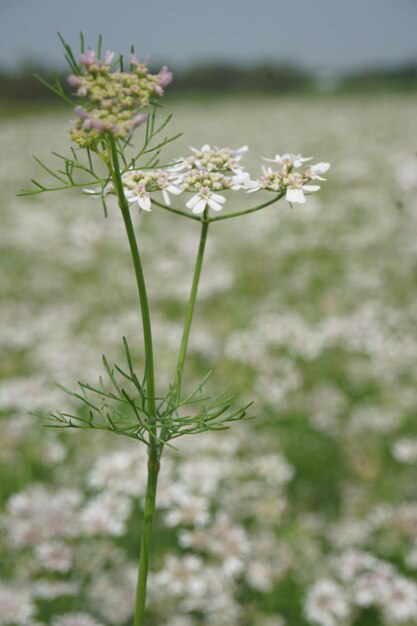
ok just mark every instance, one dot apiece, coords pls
pixel 111 99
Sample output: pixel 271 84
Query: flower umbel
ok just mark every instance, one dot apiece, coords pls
pixel 213 159
pixel 287 180
pixel 139 184
pixel 208 171
pixel 112 99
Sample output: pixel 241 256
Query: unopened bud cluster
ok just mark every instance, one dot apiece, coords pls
pixel 112 100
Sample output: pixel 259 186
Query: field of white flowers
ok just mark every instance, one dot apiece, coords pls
pixel 306 515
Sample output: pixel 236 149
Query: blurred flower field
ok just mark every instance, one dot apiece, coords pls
pixel 308 513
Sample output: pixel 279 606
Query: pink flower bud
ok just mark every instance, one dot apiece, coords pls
pixel 139 119
pixel 133 59
pixel 74 80
pixel 98 124
pixel 165 76
pixel 88 58
pixel 81 112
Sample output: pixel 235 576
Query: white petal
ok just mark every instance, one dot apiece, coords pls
pixel 92 192
pixel 145 203
pixel 320 168
pixel 217 198
pixel 311 187
pixel 295 195
pixel 214 205
pixel 200 206
pixel 166 197
pixel 174 190
pixel 297 159
pixel 193 201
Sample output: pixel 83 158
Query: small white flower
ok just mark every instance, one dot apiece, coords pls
pixel 326 603
pixel 405 450
pixel 205 197
pixel 294 160
pixel 141 196
pixel 170 188
pixel 16 605
pixel 314 172
pixel 54 556
pixel 106 514
pixel 295 195
pixel 400 601
pixel 242 180
pixel 188 509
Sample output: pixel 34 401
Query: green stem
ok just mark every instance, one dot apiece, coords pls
pixel 228 216
pixel 153 447
pixel 145 546
pixel 140 279
pixel 190 310
pixel 177 211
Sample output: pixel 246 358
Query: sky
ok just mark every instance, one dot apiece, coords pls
pixel 324 35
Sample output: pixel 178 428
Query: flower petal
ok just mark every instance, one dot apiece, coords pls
pixel 217 197
pixel 200 206
pixel 295 196
pixel 214 205
pixel 166 197
pixel 320 168
pixel 144 202
pixel 311 187
pixel 174 190
pixel 193 201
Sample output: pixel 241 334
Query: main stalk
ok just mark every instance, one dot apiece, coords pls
pixel 153 449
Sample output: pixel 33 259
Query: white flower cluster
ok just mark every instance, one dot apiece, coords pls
pixel 139 184
pixel 364 582
pixel 206 501
pixel 287 180
pixel 210 171
pixel 16 606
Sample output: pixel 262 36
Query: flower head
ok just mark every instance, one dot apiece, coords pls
pixel 112 100
pixel 206 184
pixel 138 186
pixel 289 182
pixel 209 171
pixel 226 160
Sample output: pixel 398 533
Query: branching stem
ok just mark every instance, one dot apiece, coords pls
pixel 153 450
pixel 190 309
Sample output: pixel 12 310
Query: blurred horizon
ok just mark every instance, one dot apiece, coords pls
pixel 324 37
pixel 29 84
